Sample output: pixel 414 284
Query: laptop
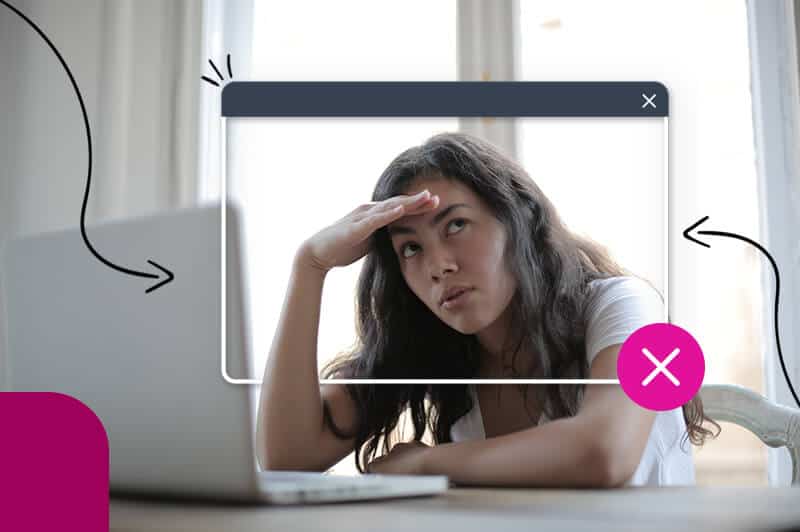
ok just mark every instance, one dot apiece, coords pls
pixel 149 364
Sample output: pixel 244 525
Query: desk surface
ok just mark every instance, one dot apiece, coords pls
pixel 686 508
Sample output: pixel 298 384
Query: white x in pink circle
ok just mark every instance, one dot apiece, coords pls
pixel 661 367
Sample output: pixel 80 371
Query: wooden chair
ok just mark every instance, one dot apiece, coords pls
pixel 775 425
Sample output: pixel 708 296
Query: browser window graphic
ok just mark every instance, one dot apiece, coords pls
pixel 298 156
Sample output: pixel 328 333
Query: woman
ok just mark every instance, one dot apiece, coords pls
pixel 469 272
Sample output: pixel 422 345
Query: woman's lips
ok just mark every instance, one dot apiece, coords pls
pixel 458 301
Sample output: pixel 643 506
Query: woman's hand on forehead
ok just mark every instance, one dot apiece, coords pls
pixel 347 240
pixel 418 200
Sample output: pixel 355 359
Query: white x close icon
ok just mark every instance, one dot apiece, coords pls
pixel 648 100
pixel 661 367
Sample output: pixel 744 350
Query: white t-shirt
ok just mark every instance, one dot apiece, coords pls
pixel 618 307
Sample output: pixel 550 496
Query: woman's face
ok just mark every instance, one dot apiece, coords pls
pixel 452 257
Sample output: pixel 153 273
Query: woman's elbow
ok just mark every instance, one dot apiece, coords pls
pixel 611 468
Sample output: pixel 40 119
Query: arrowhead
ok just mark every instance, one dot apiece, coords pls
pixel 687 236
pixel 161 283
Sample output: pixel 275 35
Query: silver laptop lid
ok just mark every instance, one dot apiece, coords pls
pixel 147 364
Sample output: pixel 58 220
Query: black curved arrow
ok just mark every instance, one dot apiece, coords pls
pixel 777 286
pixel 102 259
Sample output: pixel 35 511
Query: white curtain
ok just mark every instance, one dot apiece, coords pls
pixel 776 116
pixel 138 65
pixel 227 29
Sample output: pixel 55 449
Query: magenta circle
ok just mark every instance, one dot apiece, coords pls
pixel 657 391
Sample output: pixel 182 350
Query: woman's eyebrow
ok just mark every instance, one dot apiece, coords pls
pixel 401 229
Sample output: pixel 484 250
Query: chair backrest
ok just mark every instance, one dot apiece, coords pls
pixel 775 425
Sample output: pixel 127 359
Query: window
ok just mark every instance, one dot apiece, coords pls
pixel 699 50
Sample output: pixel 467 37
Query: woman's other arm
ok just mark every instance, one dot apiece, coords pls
pixel 291 433
pixel 601 446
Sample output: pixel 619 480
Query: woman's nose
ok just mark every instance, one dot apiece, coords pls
pixel 441 264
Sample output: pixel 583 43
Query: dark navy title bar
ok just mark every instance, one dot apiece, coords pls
pixel 444 98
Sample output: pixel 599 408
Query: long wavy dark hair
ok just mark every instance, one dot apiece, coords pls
pixel 399 337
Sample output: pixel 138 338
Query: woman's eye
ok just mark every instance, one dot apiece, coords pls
pixel 406 250
pixel 458 224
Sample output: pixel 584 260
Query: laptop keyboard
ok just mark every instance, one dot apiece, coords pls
pixel 306 486
pixel 306 477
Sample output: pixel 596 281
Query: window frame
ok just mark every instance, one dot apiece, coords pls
pixel 488 50
pixel 488 47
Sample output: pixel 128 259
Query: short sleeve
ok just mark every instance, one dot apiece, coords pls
pixel 619 306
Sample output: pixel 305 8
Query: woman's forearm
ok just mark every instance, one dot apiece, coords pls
pixel 290 408
pixel 560 453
